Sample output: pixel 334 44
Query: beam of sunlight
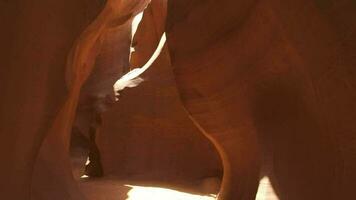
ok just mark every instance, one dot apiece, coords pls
pixel 156 193
pixel 135 22
pixel 132 79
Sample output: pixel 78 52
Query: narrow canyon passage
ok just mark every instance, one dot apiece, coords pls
pixel 177 99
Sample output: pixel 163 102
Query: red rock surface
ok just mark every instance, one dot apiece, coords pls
pixel 271 77
pixel 35 40
pixel 147 134
pixel 270 83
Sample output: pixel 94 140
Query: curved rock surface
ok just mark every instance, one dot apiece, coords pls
pixel 271 84
pixel 271 79
pixel 36 38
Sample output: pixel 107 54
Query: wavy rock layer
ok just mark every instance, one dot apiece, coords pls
pixel 271 83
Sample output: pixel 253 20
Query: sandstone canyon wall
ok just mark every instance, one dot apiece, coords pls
pixel 55 56
pixel 271 83
pixel 147 134
pixel 36 38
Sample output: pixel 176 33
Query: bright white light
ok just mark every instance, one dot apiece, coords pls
pixel 154 193
pixel 265 190
pixel 136 21
pixel 84 177
pixel 132 79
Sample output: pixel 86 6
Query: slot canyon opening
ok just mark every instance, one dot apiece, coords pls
pixel 86 156
pixel 271 84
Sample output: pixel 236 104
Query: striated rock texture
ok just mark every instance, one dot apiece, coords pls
pixel 54 153
pixel 147 134
pixel 49 50
pixel 60 61
pixel 36 38
pixel 271 83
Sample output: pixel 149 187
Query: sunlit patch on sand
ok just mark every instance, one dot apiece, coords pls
pixel 156 193
pixel 265 190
